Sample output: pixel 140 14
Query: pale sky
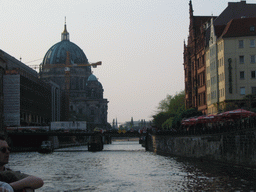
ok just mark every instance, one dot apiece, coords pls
pixel 140 43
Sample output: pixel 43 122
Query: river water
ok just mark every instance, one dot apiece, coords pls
pixel 126 166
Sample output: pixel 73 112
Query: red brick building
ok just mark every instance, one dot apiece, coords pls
pixel 194 64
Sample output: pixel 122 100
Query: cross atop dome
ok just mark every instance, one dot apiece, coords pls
pixel 65 34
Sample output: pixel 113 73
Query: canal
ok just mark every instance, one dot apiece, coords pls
pixel 126 166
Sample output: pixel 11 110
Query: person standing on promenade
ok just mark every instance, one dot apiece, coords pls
pixel 18 181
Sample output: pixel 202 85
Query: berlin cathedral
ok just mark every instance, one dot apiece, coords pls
pixel 66 65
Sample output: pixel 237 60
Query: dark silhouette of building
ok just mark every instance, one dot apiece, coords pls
pixel 67 65
pixel 25 99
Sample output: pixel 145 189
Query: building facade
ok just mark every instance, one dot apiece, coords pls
pixel 66 65
pixel 25 99
pixel 233 75
pixel 194 62
pixel 2 68
pixel 201 39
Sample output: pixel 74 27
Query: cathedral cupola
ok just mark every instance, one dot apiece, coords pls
pixel 57 54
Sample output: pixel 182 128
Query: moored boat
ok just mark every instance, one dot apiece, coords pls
pixel 95 143
pixel 46 147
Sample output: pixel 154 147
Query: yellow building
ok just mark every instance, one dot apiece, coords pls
pixel 231 64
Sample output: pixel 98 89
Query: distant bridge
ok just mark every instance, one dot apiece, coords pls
pixel 66 134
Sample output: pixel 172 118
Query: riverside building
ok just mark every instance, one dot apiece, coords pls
pixel 231 64
pixel 200 40
pixel 25 100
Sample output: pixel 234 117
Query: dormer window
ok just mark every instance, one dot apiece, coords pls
pixel 252 28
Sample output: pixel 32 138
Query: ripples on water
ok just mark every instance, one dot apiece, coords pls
pixel 125 166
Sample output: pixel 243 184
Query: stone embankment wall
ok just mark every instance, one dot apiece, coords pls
pixel 238 148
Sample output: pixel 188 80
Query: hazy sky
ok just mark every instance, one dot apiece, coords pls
pixel 140 43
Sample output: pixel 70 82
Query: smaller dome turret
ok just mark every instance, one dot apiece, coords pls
pixel 92 78
pixel 94 88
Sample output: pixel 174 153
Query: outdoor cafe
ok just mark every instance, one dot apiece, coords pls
pixel 239 119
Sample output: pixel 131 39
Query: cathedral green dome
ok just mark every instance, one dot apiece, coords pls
pixel 58 53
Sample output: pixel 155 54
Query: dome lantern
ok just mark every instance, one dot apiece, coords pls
pixel 65 34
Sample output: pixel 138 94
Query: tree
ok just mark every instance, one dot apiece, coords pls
pixel 168 110
pixel 172 103
pixel 160 118
pixel 184 114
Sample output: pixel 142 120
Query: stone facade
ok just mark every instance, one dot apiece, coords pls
pixel 236 148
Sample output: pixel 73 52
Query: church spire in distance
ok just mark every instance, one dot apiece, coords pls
pixel 190 9
pixel 65 34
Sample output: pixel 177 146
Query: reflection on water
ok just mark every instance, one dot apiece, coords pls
pixel 125 166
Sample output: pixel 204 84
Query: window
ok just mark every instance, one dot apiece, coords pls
pixel 252 43
pixel 254 90
pixel 252 28
pixel 241 59
pixel 241 74
pixel 252 58
pixel 253 74
pixel 242 90
pixel 241 43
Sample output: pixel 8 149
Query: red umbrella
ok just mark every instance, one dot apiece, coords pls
pixel 189 121
pixel 202 119
pixel 193 120
pixel 212 118
pixel 237 113
pixel 185 122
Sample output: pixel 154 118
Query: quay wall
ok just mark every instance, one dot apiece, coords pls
pixel 237 148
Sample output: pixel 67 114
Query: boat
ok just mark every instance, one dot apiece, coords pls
pixel 95 143
pixel 142 141
pixel 46 147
